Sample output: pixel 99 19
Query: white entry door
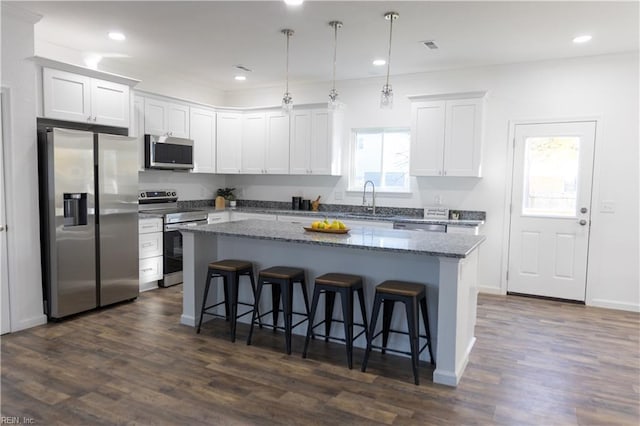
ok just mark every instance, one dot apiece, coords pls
pixel 5 322
pixel 551 209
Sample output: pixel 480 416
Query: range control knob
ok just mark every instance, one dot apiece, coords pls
pixel 142 195
pixel 173 194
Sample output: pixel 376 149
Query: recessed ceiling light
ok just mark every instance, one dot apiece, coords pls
pixel 117 36
pixel 240 77
pixel 92 60
pixel 379 62
pixel 293 2
pixel 582 39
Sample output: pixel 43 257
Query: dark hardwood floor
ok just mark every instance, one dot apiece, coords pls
pixel 535 362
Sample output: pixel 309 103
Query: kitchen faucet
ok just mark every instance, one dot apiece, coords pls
pixel 371 208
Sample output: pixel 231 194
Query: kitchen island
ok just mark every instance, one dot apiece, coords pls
pixel 447 263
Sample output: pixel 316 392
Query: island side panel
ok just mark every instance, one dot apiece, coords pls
pixel 198 251
pixel 456 318
pixel 375 266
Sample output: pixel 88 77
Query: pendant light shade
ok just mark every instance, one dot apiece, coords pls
pixel 386 96
pixel 287 100
pixel 334 103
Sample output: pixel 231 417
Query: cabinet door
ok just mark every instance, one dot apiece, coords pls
pixel 203 133
pixel 178 120
pixel 463 135
pixel 109 103
pixel 155 117
pixel 137 128
pixel 277 144
pixel 253 143
pixel 66 96
pixel 228 140
pixel 300 153
pixel 320 160
pixel 427 138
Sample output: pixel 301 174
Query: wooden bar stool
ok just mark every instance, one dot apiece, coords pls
pixel 414 297
pixel 281 279
pixel 230 271
pixel 330 285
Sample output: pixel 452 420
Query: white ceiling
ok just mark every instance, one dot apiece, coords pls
pixel 204 40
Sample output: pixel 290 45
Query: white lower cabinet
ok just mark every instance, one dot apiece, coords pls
pixel 218 217
pixel 351 223
pixel 150 247
pixel 243 216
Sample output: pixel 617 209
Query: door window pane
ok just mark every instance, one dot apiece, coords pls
pixel 550 176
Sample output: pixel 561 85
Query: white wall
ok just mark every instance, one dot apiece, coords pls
pixel 603 86
pixel 190 186
pixel 21 171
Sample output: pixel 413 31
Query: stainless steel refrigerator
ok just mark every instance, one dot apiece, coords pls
pixel 89 219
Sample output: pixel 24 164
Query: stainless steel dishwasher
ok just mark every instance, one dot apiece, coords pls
pixel 417 226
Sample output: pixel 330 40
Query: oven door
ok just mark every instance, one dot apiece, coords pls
pixel 172 252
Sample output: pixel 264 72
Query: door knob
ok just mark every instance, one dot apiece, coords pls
pixel 582 222
pixel 583 210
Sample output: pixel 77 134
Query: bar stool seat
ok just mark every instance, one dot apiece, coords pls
pixel 230 270
pixel 331 284
pixel 414 297
pixel 281 279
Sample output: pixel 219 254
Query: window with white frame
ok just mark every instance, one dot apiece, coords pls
pixel 381 156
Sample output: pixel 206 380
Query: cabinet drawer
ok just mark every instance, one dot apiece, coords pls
pixel 148 225
pixel 150 269
pixel 150 245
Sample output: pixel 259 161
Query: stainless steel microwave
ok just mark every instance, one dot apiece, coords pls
pixel 168 152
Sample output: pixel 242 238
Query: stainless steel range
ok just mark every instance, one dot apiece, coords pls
pixel 165 203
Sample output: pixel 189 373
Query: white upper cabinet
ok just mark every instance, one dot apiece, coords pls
pixel 446 135
pixel 228 142
pixel 265 143
pixel 315 142
pixel 203 133
pixel 276 156
pixel 74 97
pixel 166 118
pixel 253 143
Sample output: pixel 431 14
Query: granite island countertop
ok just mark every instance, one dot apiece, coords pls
pixel 347 215
pixel 425 243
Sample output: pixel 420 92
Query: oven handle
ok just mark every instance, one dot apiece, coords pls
pixel 175 226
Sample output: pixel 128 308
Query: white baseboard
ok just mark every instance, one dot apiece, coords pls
pixel 152 285
pixel 187 320
pixel 489 290
pixel 28 323
pixel 612 304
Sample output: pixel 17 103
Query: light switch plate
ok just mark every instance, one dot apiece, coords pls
pixel 607 206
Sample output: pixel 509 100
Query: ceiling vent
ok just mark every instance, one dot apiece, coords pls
pixel 243 68
pixel 430 44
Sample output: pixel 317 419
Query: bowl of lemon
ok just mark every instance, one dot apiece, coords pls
pixel 334 227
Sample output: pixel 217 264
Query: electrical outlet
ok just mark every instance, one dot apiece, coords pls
pixel 437 200
pixel 607 206
pixel 337 195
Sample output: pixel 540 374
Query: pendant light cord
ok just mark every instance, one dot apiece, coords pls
pixel 287 73
pixel 335 52
pixel 390 38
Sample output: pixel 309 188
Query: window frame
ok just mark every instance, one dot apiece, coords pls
pixel 352 156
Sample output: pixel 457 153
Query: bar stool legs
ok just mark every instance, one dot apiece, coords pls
pixel 281 279
pixel 230 271
pixel 329 285
pixel 414 297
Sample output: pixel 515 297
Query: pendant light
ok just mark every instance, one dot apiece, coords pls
pixel 386 97
pixel 287 100
pixel 334 103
